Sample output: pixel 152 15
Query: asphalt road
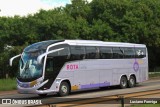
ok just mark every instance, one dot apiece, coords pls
pixel 53 98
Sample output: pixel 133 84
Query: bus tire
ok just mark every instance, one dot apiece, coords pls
pixel 131 82
pixel 64 89
pixel 123 82
pixel 42 95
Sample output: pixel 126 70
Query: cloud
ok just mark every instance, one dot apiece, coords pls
pixel 24 7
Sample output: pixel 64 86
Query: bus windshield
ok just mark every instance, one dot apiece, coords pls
pixel 29 68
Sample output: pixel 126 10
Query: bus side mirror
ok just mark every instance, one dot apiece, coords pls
pixel 11 60
pixel 40 57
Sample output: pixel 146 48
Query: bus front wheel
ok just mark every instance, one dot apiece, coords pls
pixel 123 82
pixel 64 89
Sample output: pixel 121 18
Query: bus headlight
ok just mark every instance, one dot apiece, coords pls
pixel 38 83
pixel 33 83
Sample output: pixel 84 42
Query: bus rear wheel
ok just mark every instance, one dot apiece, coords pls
pixel 64 89
pixel 131 82
pixel 123 82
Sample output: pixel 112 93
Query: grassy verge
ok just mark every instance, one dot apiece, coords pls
pixel 154 74
pixel 7 84
pixel 145 105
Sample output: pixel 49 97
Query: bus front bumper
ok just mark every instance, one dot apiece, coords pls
pixel 34 90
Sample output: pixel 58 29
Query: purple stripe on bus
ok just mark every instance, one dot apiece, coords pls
pixel 104 84
pixel 95 85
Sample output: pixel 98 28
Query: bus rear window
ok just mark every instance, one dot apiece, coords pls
pixel 129 53
pixel 140 52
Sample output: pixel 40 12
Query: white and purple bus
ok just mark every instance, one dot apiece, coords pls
pixel 63 66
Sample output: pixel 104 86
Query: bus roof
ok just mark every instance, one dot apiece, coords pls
pixel 44 44
pixel 101 43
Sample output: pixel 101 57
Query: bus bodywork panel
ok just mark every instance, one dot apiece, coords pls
pixel 83 73
pixel 100 73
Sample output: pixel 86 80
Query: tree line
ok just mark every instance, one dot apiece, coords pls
pixel 134 21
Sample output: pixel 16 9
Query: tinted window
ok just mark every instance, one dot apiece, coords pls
pixel 49 66
pixel 129 53
pixel 77 52
pixel 53 67
pixel 62 53
pixel 117 53
pixel 91 53
pixel 105 52
pixel 59 57
pixel 140 52
pixel 40 45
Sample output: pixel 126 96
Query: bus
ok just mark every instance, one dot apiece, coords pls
pixel 64 66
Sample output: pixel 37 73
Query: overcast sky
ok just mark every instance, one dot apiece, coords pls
pixel 25 7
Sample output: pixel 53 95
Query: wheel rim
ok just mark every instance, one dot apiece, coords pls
pixel 132 82
pixel 124 83
pixel 64 89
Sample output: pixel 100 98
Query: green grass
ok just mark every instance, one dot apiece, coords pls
pixel 7 84
pixel 156 74
pixel 145 105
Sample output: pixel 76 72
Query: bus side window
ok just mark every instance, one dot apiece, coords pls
pixel 59 57
pixel 140 52
pixel 129 52
pixel 92 53
pixel 65 53
pixel 105 52
pixel 77 52
pixel 118 53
